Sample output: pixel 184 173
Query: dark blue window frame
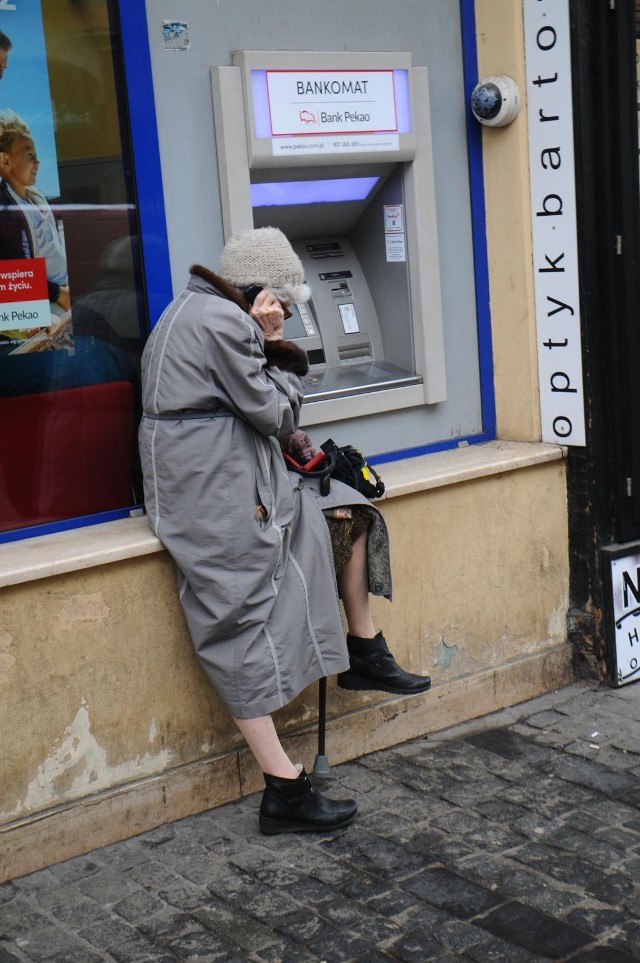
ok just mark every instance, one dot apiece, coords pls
pixel 150 208
pixel 146 154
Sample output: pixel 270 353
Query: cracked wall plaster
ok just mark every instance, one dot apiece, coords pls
pixel 83 608
pixel 79 767
pixel 445 654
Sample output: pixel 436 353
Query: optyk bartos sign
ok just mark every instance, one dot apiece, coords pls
pixel 553 215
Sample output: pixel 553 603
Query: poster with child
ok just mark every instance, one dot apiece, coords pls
pixel 35 303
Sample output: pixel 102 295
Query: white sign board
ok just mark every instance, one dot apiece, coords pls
pixel 625 584
pixel 24 295
pixel 394 232
pixel 553 215
pixel 331 102
pixel 353 144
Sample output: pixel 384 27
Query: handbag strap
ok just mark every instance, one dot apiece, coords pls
pixel 322 472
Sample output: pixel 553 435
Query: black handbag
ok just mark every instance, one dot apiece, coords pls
pixel 352 468
pixel 345 464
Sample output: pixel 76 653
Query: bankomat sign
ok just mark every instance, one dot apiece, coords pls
pixel 331 102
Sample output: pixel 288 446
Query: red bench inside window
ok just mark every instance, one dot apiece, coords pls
pixel 66 453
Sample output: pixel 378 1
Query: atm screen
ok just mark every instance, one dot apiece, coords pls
pixel 293 326
pixel 301 323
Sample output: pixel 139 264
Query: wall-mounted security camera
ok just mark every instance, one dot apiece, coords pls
pixel 495 101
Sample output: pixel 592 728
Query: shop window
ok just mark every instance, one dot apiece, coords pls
pixel 72 313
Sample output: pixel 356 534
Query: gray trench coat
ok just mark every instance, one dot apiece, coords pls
pixel 249 539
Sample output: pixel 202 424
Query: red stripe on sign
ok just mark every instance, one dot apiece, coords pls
pixel 23 279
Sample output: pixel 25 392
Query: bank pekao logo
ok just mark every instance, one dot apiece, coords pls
pixel 307 117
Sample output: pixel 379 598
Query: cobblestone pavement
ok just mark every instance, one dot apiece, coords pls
pixel 512 838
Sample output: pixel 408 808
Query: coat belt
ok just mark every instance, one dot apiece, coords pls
pixel 189 414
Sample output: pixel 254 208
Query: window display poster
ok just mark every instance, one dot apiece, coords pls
pixel 29 228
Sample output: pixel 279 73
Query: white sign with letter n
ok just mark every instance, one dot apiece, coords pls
pixel 625 591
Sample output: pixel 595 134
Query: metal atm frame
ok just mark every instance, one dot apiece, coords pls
pixel 243 149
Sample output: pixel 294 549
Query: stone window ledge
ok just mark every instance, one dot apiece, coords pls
pixel 79 548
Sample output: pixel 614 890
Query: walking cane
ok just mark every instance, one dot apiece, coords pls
pixel 321 763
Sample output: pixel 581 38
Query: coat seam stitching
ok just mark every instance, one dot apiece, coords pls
pixel 276 664
pixel 312 633
pixel 164 348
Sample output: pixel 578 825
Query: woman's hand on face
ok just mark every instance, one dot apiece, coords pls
pixel 268 312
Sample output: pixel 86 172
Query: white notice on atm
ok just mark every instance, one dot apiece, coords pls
pixel 396 247
pixel 393 218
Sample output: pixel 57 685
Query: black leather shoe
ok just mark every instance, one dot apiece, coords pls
pixel 372 667
pixel 295 806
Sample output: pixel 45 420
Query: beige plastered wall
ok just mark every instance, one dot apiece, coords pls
pixel 500 39
pixel 108 726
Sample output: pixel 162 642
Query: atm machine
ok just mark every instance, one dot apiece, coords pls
pixel 335 150
pixel 339 327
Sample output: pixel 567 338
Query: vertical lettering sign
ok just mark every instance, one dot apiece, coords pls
pixel 553 213
pixel 625 581
pixel 35 301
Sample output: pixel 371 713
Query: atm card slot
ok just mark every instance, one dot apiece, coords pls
pixel 356 353
pixel 341 290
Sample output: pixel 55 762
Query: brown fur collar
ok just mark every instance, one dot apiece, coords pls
pixel 287 356
pixel 233 294
pixel 280 354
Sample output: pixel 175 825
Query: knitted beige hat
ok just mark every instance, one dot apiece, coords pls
pixel 264 256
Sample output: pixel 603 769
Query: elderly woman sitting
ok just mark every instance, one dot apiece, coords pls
pixel 251 540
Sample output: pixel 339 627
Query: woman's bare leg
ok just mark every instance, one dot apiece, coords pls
pixel 262 739
pixel 353 583
pixel 260 733
pixel 289 802
pixel 371 665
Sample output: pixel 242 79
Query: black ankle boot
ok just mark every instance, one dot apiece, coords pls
pixel 371 666
pixel 294 806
